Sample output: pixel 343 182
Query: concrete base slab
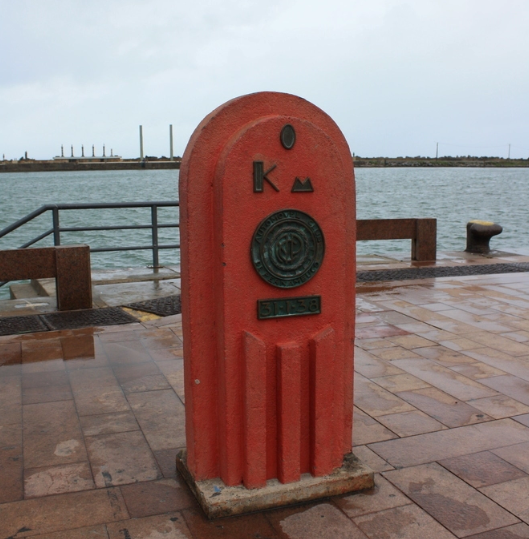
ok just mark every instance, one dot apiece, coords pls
pixel 217 500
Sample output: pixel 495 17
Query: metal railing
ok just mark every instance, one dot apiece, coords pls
pixel 56 229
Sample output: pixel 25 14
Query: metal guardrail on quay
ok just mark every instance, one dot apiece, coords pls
pixel 56 230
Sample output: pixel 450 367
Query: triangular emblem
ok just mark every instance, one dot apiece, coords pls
pixel 304 186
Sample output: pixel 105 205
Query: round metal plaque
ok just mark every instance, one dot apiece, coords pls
pixel 287 248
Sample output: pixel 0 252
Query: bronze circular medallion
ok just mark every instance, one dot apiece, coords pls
pixel 287 248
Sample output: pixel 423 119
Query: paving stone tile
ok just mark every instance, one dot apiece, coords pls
pixel 451 443
pixel 445 379
pixel 11 463
pixel 81 347
pixel 173 371
pixel 118 459
pixel 396 352
pixel 479 322
pixel 517 455
pixel 444 356
pixel 52 435
pixel 165 354
pixel 373 344
pixel 523 419
pixel 456 505
pixel 10 400
pixel 375 400
pixel 370 366
pixel 96 391
pixel 255 525
pixel 459 344
pixel 314 522
pixel 112 423
pixel 499 406
pixel 93 532
pixel 373 332
pixel 411 342
pixel 513 386
pixel 155 497
pixel 444 408
pixel 477 370
pixel 35 395
pixel 57 480
pixel 400 382
pixel 128 373
pixel 168 526
pixel 129 352
pixel 511 495
pixel 406 522
pixel 371 459
pixel 155 339
pixel 161 418
pixel 62 512
pixel 509 532
pixel 383 496
pixel 367 430
pixel 410 423
pixel 482 469
pixel 500 343
pixel 500 360
pixel 166 459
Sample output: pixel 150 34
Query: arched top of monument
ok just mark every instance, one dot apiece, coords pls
pixel 220 125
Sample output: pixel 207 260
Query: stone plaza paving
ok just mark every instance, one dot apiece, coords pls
pixel 91 420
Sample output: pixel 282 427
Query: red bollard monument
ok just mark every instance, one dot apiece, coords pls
pixel 267 221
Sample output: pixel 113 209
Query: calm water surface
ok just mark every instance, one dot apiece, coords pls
pixel 453 196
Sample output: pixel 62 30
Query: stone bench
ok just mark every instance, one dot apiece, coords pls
pixel 421 232
pixel 68 264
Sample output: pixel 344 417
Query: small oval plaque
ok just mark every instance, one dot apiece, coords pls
pixel 288 137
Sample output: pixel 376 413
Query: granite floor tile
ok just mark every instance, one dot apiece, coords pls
pixel 35 395
pixel 518 336
pixel 161 417
pixel 383 496
pixel 477 370
pixel 10 354
pixel 373 344
pixel 479 322
pixel 511 495
pixel 411 342
pixel 448 499
pixel 122 458
pixel 11 463
pixel 445 379
pixel 445 444
pixel 155 339
pixel 400 382
pixel 406 522
pixel 168 526
pixel 166 459
pixel 155 497
pixel 499 406
pixel 370 366
pixel 147 383
pixel 165 354
pixel 57 480
pixel 45 379
pixel 52 435
pixel 482 469
pixel 112 423
pixel 444 356
pixel 375 400
pixel 517 531
pixel 10 400
pixel 96 391
pixel 495 358
pixel 459 344
pixel 92 532
pixel 373 332
pixel 79 347
pixel 126 353
pixel 62 512
pixel 367 430
pixel 371 459
pixel 517 455
pixel 173 371
pixel 255 525
pixel 497 342
pixel 130 373
pixel 410 423
pixel 313 522
pixel 523 419
pixel 396 352
pixel 444 408
pixel 513 386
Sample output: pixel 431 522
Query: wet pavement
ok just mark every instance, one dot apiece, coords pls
pixel 91 420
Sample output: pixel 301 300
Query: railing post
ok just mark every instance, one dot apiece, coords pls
pixel 56 229
pixel 154 222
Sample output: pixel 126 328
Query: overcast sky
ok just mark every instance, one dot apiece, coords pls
pixel 397 76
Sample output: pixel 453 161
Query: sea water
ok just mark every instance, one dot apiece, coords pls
pixel 451 195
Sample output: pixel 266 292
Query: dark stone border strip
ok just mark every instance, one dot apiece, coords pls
pixel 439 271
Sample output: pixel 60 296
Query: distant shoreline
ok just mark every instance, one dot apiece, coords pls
pixel 153 163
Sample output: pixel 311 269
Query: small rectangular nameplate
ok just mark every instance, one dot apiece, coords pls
pixel 280 307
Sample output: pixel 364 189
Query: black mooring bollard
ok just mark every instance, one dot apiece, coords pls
pixel 479 234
